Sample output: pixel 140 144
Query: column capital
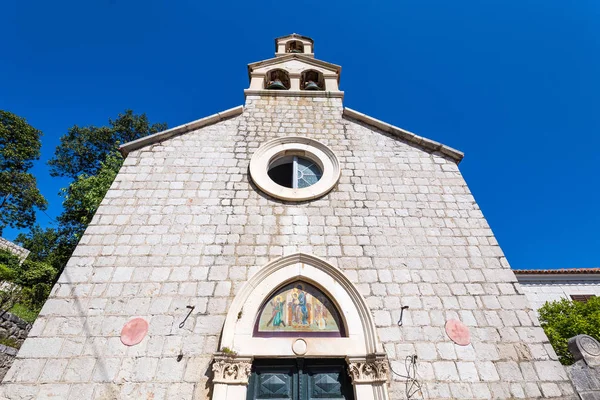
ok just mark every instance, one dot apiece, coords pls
pixel 374 368
pixel 231 370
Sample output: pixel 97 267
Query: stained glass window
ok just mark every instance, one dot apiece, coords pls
pixel 298 309
pixel 295 172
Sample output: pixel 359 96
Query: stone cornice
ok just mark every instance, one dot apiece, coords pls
pixel 308 60
pixel 178 130
pixel 410 137
pixel 293 93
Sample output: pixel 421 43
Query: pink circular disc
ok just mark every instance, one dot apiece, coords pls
pixel 134 331
pixel 458 332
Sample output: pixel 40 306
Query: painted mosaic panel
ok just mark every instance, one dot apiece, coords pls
pixel 299 308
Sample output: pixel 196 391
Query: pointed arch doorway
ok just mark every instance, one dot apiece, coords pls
pixel 250 339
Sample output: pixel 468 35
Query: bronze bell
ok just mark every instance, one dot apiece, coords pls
pixel 276 85
pixel 295 51
pixel 310 85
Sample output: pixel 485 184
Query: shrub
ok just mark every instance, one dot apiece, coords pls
pixel 564 319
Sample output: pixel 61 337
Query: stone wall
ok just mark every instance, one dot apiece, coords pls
pixel 17 250
pixel 184 226
pixel 539 293
pixel 13 327
pixel 7 356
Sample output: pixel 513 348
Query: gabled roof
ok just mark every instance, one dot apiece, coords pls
pixel 400 133
pixel 405 135
pixel 301 57
pixel 179 130
pixel 294 35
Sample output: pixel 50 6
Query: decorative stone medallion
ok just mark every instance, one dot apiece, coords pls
pixel 458 332
pixel 590 345
pixel 134 331
pixel 299 347
pixel 584 347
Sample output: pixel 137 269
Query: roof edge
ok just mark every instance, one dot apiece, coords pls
pixel 128 147
pixel 561 271
pixel 294 35
pixel 403 134
pixel 309 60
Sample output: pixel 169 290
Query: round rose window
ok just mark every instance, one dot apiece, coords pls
pixel 294 168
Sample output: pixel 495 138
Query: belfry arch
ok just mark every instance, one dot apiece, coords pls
pixel 359 345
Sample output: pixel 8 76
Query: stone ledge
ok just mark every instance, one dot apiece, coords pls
pixel 293 93
pixel 181 129
pixel 410 137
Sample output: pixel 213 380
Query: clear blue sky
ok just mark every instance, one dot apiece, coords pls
pixel 515 84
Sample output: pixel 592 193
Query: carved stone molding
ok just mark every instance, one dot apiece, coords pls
pixel 231 370
pixel 374 368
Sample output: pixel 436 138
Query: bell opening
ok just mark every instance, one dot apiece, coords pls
pixel 294 46
pixel 312 80
pixel 277 80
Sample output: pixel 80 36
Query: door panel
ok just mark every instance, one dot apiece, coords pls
pixel 273 381
pixel 327 380
pixel 299 379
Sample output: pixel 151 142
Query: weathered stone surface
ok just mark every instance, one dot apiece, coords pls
pixel 7 356
pixel 585 373
pixel 13 327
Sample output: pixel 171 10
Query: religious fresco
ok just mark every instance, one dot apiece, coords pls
pixel 299 308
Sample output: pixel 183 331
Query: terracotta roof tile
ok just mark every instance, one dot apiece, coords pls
pixel 558 271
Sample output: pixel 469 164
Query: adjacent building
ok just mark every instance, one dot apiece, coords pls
pixel 541 286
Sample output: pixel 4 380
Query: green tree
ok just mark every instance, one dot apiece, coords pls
pixel 89 156
pixel 564 319
pixel 28 282
pixel 84 195
pixel 83 149
pixel 46 245
pixel 19 196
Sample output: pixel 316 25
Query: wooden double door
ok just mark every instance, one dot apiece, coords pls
pixel 300 379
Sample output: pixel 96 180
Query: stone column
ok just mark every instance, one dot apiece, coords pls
pixel 231 373
pixel 370 376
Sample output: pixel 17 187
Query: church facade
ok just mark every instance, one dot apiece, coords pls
pixel 289 248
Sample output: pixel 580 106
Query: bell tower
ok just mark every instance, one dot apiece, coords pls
pixel 294 44
pixel 294 71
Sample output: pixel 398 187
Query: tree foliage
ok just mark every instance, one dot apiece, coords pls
pixel 564 319
pixel 83 149
pixel 89 156
pixel 28 282
pixel 84 195
pixel 19 196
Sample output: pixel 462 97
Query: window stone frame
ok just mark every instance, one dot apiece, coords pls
pixel 311 149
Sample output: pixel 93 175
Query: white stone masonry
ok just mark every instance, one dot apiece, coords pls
pixel 182 225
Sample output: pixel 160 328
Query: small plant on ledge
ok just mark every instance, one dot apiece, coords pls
pixel 228 352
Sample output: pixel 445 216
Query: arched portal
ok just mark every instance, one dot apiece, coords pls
pixel 359 345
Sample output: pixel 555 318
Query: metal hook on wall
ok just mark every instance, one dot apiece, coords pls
pixel 191 308
pixel 401 314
